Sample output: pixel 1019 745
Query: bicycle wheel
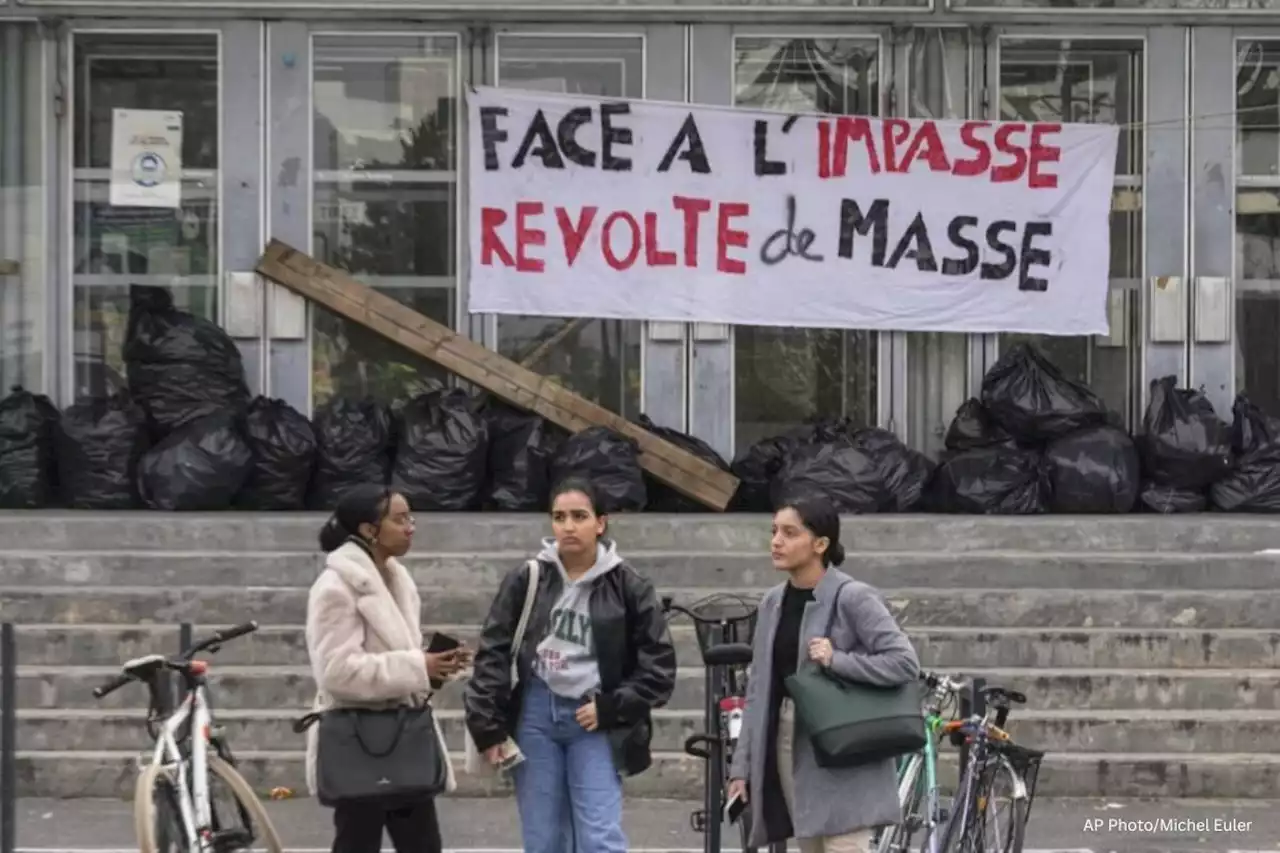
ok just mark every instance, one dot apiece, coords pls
pixel 999 812
pixel 257 825
pixel 157 816
pixel 897 838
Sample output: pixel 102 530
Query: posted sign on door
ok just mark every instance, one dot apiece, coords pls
pixel 638 210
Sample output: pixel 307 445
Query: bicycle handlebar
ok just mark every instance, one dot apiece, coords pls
pixel 669 606
pixel 211 644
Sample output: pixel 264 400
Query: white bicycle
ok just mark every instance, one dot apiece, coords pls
pixel 173 808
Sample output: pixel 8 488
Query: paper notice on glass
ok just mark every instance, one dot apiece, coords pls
pixel 146 158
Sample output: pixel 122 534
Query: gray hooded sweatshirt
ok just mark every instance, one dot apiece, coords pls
pixel 567 656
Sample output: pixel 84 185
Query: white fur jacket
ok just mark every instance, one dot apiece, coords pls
pixel 364 638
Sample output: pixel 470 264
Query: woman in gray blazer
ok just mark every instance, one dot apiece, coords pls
pixel 828 810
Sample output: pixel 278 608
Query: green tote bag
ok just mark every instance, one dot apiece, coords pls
pixel 851 723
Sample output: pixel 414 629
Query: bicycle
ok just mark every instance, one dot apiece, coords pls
pixel 920 794
pixel 181 764
pixel 993 758
pixel 725 645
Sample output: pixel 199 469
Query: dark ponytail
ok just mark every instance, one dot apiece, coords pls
pixel 819 517
pixel 366 503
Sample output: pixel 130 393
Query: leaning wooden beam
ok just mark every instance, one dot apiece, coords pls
pixel 9 267
pixel 343 295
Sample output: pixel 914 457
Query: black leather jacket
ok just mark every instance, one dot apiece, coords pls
pixel 634 651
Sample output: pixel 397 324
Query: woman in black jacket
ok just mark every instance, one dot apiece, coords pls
pixel 595 660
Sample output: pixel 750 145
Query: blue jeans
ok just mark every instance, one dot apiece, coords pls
pixel 567 789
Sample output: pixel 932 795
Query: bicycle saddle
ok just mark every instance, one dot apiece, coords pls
pixel 727 654
pixel 997 695
pixel 144 667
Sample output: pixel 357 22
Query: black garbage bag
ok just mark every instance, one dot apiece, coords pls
pixel 991 481
pixel 1168 499
pixel 1184 443
pixel 972 427
pixel 181 367
pixel 28 472
pixel 1251 427
pixel 1033 401
pixel 1253 484
pixel 99 443
pixel 845 474
pixel 521 447
pixel 904 473
pixel 755 469
pixel 610 461
pixel 663 498
pixel 284 456
pixel 1093 470
pixel 353 446
pixel 442 452
pixel 202 466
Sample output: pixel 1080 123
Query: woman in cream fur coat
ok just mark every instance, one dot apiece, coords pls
pixel 364 638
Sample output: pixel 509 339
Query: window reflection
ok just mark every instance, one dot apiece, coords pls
pixel 115 247
pixel 1257 354
pixel 599 359
pixel 782 376
pixel 385 200
pixel 1090 82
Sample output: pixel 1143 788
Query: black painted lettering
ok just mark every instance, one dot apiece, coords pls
pixel 996 272
pixel 915 246
pixel 760 139
pixel 567 136
pixel 491 135
pixel 955 233
pixel 1033 255
pixel 539 134
pixel 612 136
pixel 695 153
pixel 853 220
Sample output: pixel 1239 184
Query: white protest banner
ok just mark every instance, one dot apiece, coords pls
pixel 584 207
pixel 146 158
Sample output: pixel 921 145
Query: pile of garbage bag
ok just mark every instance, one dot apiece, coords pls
pixel 28 470
pixel 99 444
pixel 442 452
pixel 284 449
pixel 353 446
pixel 200 466
pixel 662 497
pixel 521 447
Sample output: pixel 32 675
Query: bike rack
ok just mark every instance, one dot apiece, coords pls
pixel 8 738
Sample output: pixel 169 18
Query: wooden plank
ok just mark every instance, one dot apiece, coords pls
pixel 8 267
pixel 342 294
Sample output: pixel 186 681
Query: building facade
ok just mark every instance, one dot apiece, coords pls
pixel 339 128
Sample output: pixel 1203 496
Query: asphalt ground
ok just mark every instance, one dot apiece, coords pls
pixel 662 826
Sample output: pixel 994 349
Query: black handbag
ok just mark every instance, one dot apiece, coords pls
pixel 368 755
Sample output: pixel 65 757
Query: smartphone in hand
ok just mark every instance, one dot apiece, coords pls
pixel 734 809
pixel 441 642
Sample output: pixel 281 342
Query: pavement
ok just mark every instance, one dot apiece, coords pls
pixel 662 826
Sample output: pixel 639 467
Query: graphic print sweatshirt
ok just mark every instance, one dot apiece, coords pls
pixel 567 656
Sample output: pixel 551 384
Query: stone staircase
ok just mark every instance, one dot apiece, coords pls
pixel 1149 647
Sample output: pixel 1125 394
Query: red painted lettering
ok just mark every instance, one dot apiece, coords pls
pixel 895 131
pixel 526 236
pixel 491 219
pixel 574 234
pixel 849 130
pixel 927 145
pixel 982 154
pixel 727 236
pixel 1009 171
pixel 606 240
pixel 654 256
pixel 1040 153
pixel 824 148
pixel 692 208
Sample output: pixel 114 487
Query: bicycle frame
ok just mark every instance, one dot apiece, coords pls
pixel 193 799
pixel 909 777
pixel 980 756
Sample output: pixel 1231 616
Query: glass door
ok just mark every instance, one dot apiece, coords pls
pixel 1090 78
pixel 120 74
pixel 779 377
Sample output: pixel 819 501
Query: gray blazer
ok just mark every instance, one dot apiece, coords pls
pixel 870 648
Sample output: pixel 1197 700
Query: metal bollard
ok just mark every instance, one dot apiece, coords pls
pixel 8 740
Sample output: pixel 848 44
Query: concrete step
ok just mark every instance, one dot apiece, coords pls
pixel 470 569
pixel 1109 774
pixel 914 607
pixel 450 532
pixel 1086 689
pixel 1164 731
pixel 939 647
